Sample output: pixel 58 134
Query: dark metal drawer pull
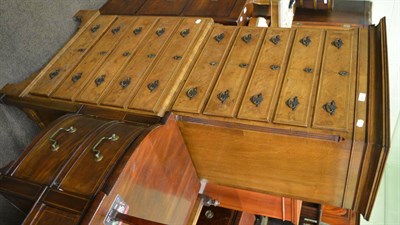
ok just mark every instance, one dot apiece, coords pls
pixel 213 63
pixel 126 54
pixel 100 80
pixel 95 28
pixel 103 53
pixel 223 96
pixel 115 30
pixel 97 154
pixel 153 85
pixel 219 37
pixel 76 77
pixel 125 83
pixel 152 55
pixel 330 107
pixel 160 31
pixel 54 144
pixel 293 103
pixel 137 30
pixel 177 57
pixel 257 99
pixel 246 38
pixel 308 70
pixel 191 93
pixel 343 73
pixel 185 32
pixel 338 43
pixel 81 50
pixel 306 41
pixel 243 65
pixel 275 39
pixel 54 73
pixel 275 67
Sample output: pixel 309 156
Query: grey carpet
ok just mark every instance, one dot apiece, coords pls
pixel 31 32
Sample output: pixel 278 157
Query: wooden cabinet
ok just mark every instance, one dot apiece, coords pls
pixel 299 113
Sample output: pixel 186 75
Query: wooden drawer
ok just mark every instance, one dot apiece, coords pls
pixel 226 96
pixel 334 108
pixel 110 69
pixel 261 94
pixel 86 69
pixel 206 70
pixel 141 63
pixel 98 157
pixel 298 90
pixel 44 159
pixel 55 73
pixel 156 92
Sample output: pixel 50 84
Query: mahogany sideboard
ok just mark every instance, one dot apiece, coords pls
pixel 300 113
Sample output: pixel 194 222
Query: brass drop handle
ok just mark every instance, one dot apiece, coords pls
pixel 97 154
pixel 54 144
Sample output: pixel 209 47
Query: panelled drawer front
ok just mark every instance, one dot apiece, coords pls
pixel 43 162
pixel 206 70
pixel 162 7
pixel 262 91
pixel 97 159
pixel 73 55
pixel 298 89
pixel 226 96
pixel 115 62
pixel 173 63
pixel 140 63
pixel 335 98
pixel 95 57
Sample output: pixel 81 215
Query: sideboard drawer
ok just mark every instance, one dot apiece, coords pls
pixel 44 160
pixel 225 98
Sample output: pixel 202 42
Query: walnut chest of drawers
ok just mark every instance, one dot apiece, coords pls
pixel 301 113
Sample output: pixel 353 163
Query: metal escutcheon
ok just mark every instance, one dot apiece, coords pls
pixel 137 30
pixel 76 77
pixel 306 41
pixel 257 99
pixel 338 43
pixel 177 57
pixel 191 93
pixel 95 28
pixel 185 32
pixel 330 107
pixel 293 103
pixel 343 73
pixel 246 38
pixel 125 83
pixel 160 31
pixel 115 30
pixel 223 96
pixel 308 70
pixel 243 65
pixel 275 39
pixel 219 37
pixel 97 154
pixel 275 67
pixel 54 73
pixel 100 80
pixel 153 85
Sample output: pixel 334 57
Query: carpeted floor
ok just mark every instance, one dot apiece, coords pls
pixel 31 32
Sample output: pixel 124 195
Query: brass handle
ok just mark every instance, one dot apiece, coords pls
pixel 54 144
pixel 97 154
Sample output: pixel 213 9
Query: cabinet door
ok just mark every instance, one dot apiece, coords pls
pixel 156 93
pixel 206 70
pixel 84 72
pixel 54 74
pixel 265 82
pixel 298 89
pixel 226 96
pixel 44 160
pixel 137 68
pixel 110 69
pixel 98 158
pixel 334 108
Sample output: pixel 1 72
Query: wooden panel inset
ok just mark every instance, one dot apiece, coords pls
pixel 84 72
pixel 221 8
pixel 42 163
pixel 56 73
pixel 335 97
pixel 117 60
pixel 165 77
pixel 206 70
pixel 295 100
pixel 162 7
pixel 46 215
pixel 137 68
pixel 225 98
pixel 262 91
pixel 87 173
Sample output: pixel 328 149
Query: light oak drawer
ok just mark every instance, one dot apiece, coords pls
pixel 137 68
pixel 67 61
pixel 334 108
pixel 206 70
pixel 84 72
pixel 298 89
pixel 261 94
pixel 226 96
